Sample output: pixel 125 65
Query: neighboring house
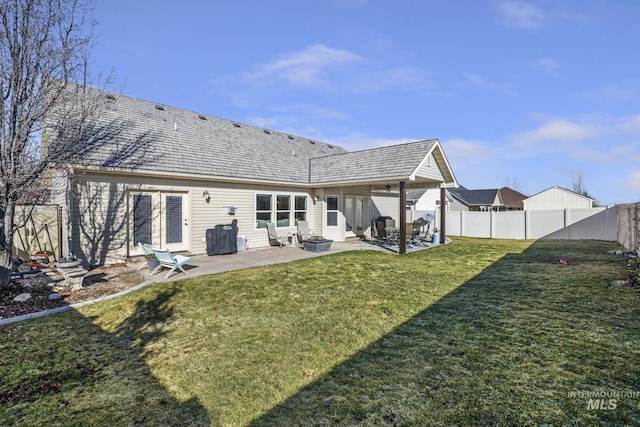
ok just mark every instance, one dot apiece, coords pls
pixel 557 198
pixel 512 199
pixel 476 200
pixel 427 199
pixel 163 176
pixel 423 200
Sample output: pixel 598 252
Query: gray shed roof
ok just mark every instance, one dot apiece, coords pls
pixel 134 134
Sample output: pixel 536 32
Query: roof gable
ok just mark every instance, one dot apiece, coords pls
pixel 393 162
pixel 512 198
pixel 555 188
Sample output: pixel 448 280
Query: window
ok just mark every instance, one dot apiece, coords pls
pixel 283 211
pixel 288 210
pixel 142 220
pixel 300 207
pixel 263 210
pixel 332 211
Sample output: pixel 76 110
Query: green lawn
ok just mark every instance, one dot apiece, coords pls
pixel 477 332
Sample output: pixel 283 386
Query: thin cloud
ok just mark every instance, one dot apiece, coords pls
pixel 633 181
pixel 631 124
pixel 582 139
pixel 615 92
pixel 477 82
pixel 549 66
pixel 286 117
pixel 519 15
pixel 320 67
pixel 463 151
pixel 307 67
pixel 556 130
pixel 373 81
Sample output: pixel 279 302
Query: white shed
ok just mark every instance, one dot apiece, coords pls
pixel 557 198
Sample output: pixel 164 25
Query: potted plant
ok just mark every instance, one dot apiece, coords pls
pixel 152 261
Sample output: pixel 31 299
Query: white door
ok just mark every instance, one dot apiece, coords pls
pixel 174 225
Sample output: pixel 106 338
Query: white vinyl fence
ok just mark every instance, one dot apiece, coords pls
pixel 573 224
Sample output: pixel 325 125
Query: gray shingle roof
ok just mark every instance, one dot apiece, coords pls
pixel 131 133
pixel 378 163
pixel 475 197
pixel 168 139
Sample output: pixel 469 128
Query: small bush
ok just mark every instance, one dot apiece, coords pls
pixel 633 272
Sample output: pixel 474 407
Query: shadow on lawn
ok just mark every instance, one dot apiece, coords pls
pixel 509 347
pixel 108 368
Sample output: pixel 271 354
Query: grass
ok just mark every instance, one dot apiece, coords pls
pixel 478 332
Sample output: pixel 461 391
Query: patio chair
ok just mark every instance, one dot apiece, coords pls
pixel 304 232
pixel 170 261
pixel 145 248
pixel 276 239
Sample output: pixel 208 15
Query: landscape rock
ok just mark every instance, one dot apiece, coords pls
pixel 22 297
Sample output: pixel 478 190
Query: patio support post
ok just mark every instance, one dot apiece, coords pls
pixel 402 240
pixel 443 214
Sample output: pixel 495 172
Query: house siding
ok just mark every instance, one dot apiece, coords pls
pixel 557 198
pixel 429 169
pixel 97 220
pixel 101 226
pixel 384 204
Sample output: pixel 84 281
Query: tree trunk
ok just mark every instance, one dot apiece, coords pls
pixel 5 267
pixel 9 222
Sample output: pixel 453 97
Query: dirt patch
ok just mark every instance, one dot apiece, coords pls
pixel 43 287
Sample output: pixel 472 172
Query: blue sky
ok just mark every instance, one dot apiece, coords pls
pixel 527 94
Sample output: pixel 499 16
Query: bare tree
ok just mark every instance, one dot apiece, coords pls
pixel 515 184
pixel 44 53
pixel 578 185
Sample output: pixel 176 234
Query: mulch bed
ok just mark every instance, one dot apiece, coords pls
pixel 99 282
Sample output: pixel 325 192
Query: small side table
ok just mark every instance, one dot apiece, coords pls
pixel 293 235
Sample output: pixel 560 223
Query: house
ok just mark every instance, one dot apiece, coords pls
pixel 476 200
pixel 512 199
pixel 161 175
pixel 420 201
pixel 557 198
pixel 427 199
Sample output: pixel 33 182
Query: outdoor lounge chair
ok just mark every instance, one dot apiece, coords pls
pixel 144 248
pixel 168 260
pixel 276 239
pixel 304 232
